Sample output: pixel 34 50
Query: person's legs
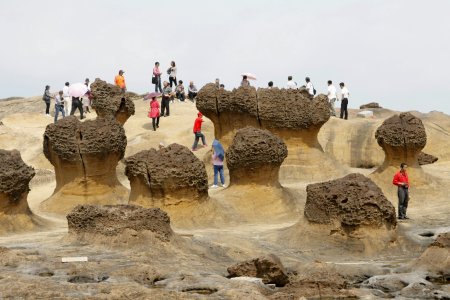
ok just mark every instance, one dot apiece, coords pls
pixel 216 173
pixel 194 146
pixel 405 202
pixel 332 110
pixel 171 81
pixel 47 108
pixel 73 107
pixel 154 124
pixel 157 122
pixel 345 103
pixel 182 96
pixel 222 178
pixel 163 106
pixel 401 200
pixel 203 138
pixel 168 107
pixel 80 108
pixel 62 111
pixel 56 112
pixel 159 84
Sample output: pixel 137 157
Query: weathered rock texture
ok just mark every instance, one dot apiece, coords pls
pixel 85 157
pixel 109 100
pixel 112 220
pixel 402 138
pixel 426 159
pixel 436 258
pixel 349 203
pixel 165 177
pixel 370 105
pixel 268 267
pixel 293 115
pixel 255 156
pixel 15 176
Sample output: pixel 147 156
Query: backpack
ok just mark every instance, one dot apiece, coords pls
pixel 169 70
pixel 46 97
pixel 314 91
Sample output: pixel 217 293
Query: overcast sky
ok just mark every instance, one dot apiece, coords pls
pixel 395 52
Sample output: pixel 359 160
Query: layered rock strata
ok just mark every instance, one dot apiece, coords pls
pixel 109 100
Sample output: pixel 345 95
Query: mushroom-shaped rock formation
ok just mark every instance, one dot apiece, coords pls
pixel 109 223
pixel 109 100
pixel 255 157
pixel 15 176
pixel 166 177
pixel 348 204
pixel 85 157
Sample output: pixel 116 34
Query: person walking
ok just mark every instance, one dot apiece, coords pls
pixel 172 71
pixel 331 97
pixel 85 100
pixel 192 91
pixel 76 103
pixel 165 101
pixel 157 77
pixel 245 81
pixel 67 99
pixel 198 132
pixel 310 87
pixel 180 91
pixel 47 97
pixel 59 105
pixel 291 84
pixel 218 155
pixel 119 80
pixel 154 113
pixel 344 101
pixel 402 182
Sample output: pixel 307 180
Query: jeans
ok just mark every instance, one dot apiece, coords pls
pixel 165 109
pixel 155 123
pixel 76 103
pixel 344 112
pixel 403 197
pixel 332 110
pixel 218 170
pixel 192 95
pixel 181 96
pixel 59 108
pixel 158 84
pixel 173 80
pixel 198 135
pixel 47 107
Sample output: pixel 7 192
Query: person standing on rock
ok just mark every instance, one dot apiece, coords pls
pixel 245 81
pixel 119 80
pixel 291 84
pixel 67 99
pixel 402 183
pixel 157 75
pixel 331 97
pixel 344 101
pixel 76 103
pixel 47 97
pixel 218 155
pixel 154 113
pixel 172 71
pixel 59 105
pixel 217 82
pixel 165 101
pixel 85 100
pixel 310 87
pixel 198 132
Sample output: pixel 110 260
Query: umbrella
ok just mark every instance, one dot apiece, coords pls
pixel 77 89
pixel 151 95
pixel 249 76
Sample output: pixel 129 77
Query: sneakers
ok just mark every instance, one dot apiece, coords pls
pixel 224 185
pixel 214 186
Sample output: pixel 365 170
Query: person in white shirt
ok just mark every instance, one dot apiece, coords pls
pixel 309 86
pixel 344 103
pixel 331 97
pixel 291 84
pixel 67 99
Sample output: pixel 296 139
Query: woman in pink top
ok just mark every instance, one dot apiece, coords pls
pixel 157 75
pixel 154 113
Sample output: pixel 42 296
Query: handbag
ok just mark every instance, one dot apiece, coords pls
pixel 154 80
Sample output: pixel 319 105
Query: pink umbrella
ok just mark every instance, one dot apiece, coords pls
pixel 250 76
pixel 151 95
pixel 77 90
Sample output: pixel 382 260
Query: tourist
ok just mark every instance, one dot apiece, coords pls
pixel 198 132
pixel 47 97
pixel 119 80
pixel 310 87
pixel 67 99
pixel 172 71
pixel 291 84
pixel 192 91
pixel 165 101
pixel 245 81
pixel 218 155
pixel 157 77
pixel 344 101
pixel 217 83
pixel 86 99
pixel 402 182
pixel 222 87
pixel 76 103
pixel 59 105
pixel 331 97
pixel 270 85
pixel 180 91
pixel 154 113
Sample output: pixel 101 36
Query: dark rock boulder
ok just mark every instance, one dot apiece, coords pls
pixel 426 159
pixel 370 105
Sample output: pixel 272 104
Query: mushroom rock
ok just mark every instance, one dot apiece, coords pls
pixel 15 176
pixel 85 156
pixel 109 100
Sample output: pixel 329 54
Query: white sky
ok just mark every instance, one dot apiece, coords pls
pixel 395 52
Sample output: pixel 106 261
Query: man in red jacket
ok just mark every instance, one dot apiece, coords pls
pixel 402 182
pixel 198 131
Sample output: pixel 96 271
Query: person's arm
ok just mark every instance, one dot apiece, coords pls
pixel 396 180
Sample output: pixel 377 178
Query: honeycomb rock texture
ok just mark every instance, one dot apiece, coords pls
pixel 349 202
pixel 172 174
pixel 426 159
pixel 109 100
pixel 15 175
pixel 112 220
pixel 255 156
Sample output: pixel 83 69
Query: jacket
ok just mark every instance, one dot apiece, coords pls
pixel 198 125
pixel 154 109
pixel 120 81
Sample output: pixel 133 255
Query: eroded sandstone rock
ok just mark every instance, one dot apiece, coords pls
pixel 112 220
pixel 85 156
pixel 349 203
pixel 436 258
pixel 255 156
pixel 370 105
pixel 426 159
pixel 268 267
pixel 166 177
pixel 109 100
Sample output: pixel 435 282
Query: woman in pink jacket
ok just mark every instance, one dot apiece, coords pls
pixel 154 113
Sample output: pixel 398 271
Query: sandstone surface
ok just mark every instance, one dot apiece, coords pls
pixel 370 105
pixel 426 159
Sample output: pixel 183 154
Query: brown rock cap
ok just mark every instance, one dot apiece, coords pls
pixel 370 105
pixel 351 202
pixel 15 175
